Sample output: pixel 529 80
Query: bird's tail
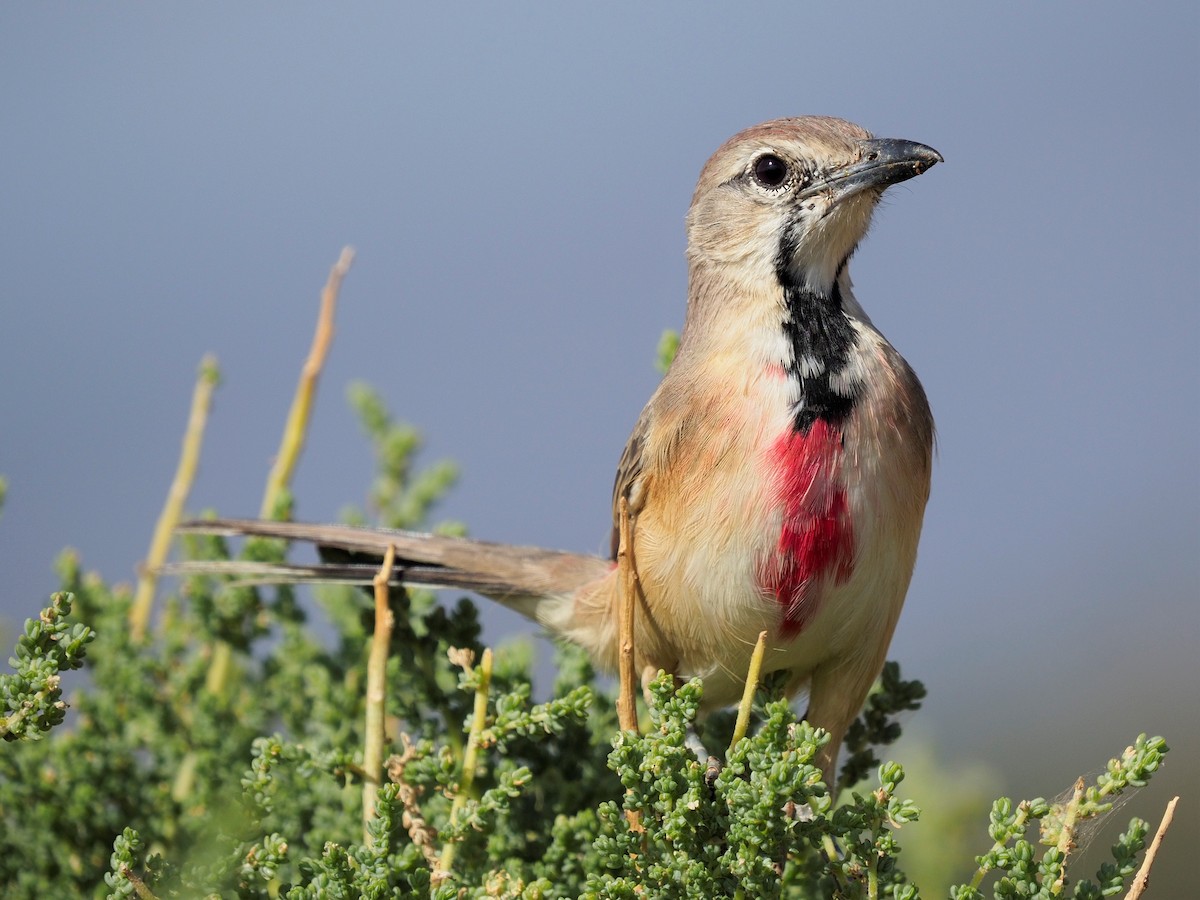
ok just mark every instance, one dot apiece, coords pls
pixel 535 582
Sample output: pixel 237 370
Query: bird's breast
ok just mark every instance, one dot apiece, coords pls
pixel 752 522
pixel 749 519
pixel 814 546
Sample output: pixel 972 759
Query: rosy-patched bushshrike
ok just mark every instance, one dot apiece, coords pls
pixel 775 481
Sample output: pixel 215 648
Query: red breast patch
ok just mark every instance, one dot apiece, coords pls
pixel 816 542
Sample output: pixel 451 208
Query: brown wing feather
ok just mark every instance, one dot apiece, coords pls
pixel 629 472
pixel 652 446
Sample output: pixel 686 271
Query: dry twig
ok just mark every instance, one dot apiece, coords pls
pixel 1142 879
pixel 471 754
pixel 630 591
pixel 377 692
pixel 300 413
pixel 181 486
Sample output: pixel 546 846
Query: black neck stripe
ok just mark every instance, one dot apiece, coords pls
pixel 821 337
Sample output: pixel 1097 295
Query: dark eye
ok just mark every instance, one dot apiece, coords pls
pixel 769 170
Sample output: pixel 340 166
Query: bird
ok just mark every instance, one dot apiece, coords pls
pixel 778 476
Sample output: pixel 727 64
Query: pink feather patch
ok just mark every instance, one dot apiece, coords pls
pixel 816 542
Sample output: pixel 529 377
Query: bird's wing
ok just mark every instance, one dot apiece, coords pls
pixel 653 447
pixel 629 475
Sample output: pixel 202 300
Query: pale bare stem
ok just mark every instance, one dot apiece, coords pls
pixel 1066 837
pixel 1142 880
pixel 185 777
pixel 219 664
pixel 830 848
pixel 422 834
pixel 139 886
pixel 470 761
pixel 181 486
pixel 377 693
pixel 631 591
pixel 221 661
pixel 298 417
pixel 752 678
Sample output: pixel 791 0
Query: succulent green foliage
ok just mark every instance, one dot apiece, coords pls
pixel 400 497
pixel 1022 869
pixel 185 772
pixel 876 726
pixel 162 731
pixel 761 825
pixel 31 698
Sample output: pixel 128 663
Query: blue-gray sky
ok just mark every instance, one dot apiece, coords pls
pixel 178 179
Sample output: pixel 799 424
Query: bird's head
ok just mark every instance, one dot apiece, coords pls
pixel 790 199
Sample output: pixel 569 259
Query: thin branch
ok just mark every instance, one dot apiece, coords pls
pixel 470 761
pixel 220 663
pixel 139 887
pixel 181 486
pixel 1142 880
pixel 377 693
pixel 297 423
pixel 630 591
pixel 752 679
pixel 1066 837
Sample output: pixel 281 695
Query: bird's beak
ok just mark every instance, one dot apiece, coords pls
pixel 884 162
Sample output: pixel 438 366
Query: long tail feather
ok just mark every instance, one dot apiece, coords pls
pixel 519 577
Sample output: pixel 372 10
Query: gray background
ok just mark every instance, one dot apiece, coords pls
pixel 176 180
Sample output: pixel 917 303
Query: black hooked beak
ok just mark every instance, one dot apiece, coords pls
pixel 884 162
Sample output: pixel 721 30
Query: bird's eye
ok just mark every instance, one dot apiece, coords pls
pixel 769 170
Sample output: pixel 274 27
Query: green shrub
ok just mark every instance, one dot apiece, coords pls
pixel 226 752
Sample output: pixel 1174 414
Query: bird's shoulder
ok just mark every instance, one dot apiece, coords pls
pixel 689 418
pixel 658 433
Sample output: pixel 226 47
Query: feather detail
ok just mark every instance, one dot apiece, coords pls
pixel 816 540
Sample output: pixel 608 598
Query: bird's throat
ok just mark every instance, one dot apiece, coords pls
pixel 822 340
